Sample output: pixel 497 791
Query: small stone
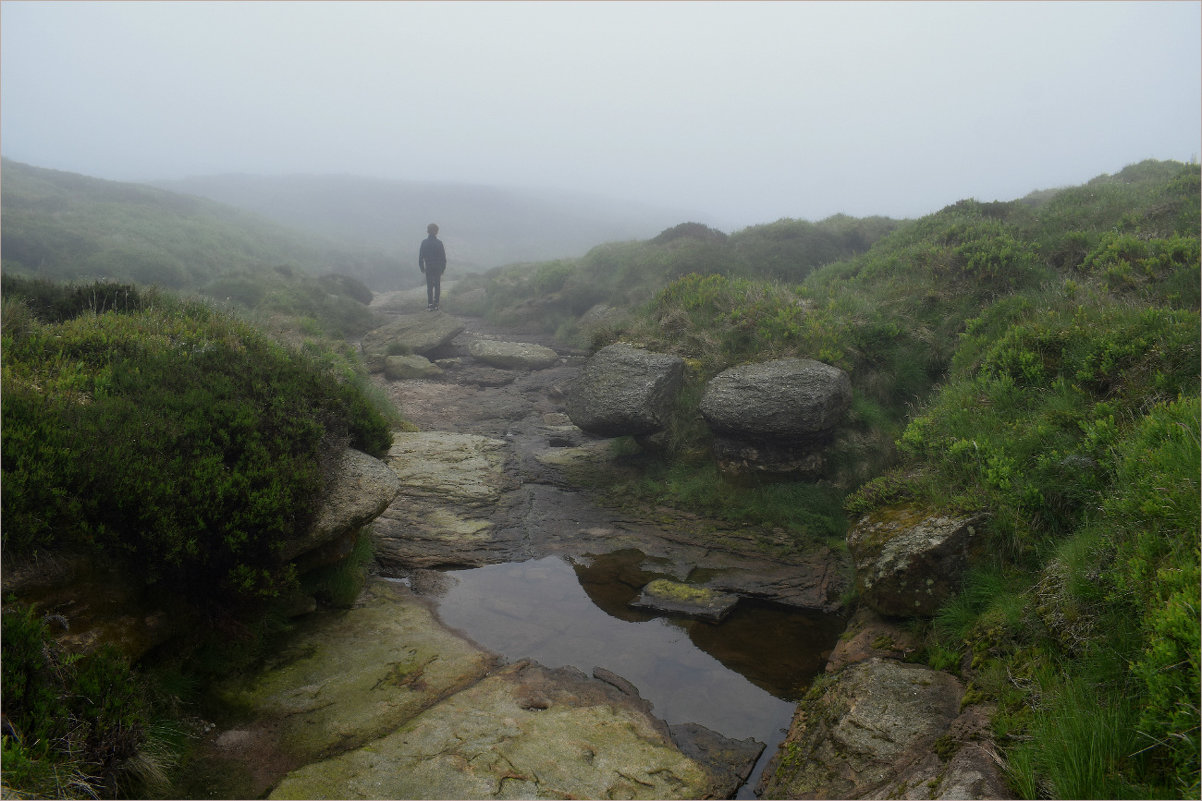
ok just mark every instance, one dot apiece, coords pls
pixel 674 597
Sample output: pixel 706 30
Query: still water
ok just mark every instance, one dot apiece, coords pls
pixel 740 677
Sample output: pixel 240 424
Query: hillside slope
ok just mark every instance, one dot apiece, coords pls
pixel 1036 362
pixel 63 226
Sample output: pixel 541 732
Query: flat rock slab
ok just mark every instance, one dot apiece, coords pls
pixel 678 598
pixel 524 732
pixel 352 676
pixel 398 368
pixel 422 334
pixel 512 355
pixel 451 486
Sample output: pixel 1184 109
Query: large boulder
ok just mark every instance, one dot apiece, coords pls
pixel 422 334
pixel 360 488
pixel 785 400
pixel 625 390
pixel 512 355
pixel 885 729
pixel 909 561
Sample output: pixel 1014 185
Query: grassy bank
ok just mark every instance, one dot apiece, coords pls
pixel 1036 361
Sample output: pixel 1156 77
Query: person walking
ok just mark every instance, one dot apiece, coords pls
pixel 432 260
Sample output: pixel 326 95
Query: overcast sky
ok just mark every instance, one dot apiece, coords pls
pixel 739 112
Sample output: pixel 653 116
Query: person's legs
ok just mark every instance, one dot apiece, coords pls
pixel 437 289
pixel 431 283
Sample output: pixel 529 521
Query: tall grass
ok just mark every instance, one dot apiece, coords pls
pixel 1083 742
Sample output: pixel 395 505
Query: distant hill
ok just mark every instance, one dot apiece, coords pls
pixel 69 227
pixel 482 226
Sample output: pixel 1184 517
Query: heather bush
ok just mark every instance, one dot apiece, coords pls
pixel 175 437
pixel 73 724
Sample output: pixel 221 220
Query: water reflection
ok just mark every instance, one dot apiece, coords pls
pixel 737 677
pixel 776 648
pixel 614 580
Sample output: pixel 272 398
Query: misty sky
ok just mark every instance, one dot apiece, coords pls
pixel 736 112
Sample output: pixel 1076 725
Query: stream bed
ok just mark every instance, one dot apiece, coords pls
pixel 740 677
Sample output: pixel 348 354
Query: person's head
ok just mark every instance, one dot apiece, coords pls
pixel 432 229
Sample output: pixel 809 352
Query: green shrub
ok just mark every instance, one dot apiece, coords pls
pixel 175 436
pixel 77 722
pixel 1160 270
pixel 1153 518
pixel 1029 422
pixel 55 302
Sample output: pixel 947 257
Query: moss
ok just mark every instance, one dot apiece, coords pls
pixel 946 747
pixel 682 593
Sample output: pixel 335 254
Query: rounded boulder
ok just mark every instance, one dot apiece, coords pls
pixel 784 400
pixel 625 390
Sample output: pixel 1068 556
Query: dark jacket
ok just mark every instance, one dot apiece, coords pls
pixel 432 258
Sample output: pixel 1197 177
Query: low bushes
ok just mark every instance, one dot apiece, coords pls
pixel 175 437
pixel 75 726
pixel 1074 422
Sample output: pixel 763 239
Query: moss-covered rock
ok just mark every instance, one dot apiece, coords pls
pixel 524 732
pixel 350 677
pixel 674 597
pixel 909 561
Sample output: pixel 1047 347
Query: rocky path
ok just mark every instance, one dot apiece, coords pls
pixel 382 701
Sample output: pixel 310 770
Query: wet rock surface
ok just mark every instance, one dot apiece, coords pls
pixel 500 473
pixel 382 700
pixel 860 734
pixel 348 677
pixel 909 561
pixel 525 731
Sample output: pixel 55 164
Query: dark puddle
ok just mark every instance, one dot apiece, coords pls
pixel 740 677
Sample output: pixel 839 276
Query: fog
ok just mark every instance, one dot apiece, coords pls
pixel 733 112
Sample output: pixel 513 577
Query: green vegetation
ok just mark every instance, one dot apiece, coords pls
pixel 627 274
pixel 169 435
pixel 1036 361
pixel 60 226
pixel 75 726
pixel 173 435
pixel 185 445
